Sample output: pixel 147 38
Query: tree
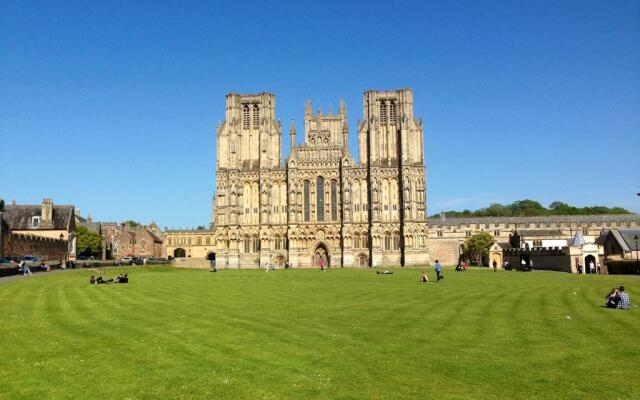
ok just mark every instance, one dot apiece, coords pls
pixel 88 243
pixel 476 248
pixel 132 223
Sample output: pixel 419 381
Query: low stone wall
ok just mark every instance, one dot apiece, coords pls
pixel 189 262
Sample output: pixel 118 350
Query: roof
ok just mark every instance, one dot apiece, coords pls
pixel 539 219
pixel 18 217
pixel 89 224
pixel 154 237
pixel 628 237
pixel 539 232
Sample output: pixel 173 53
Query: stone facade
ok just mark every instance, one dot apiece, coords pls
pixel 321 205
pixel 45 230
pixel 122 239
pixel 446 236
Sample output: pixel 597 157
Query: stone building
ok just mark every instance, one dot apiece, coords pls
pixel 446 236
pixel 320 205
pixel 45 230
pixel 135 240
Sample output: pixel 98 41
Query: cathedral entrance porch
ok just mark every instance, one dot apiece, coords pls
pixel 320 256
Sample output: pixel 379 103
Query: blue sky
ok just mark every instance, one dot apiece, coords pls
pixel 112 106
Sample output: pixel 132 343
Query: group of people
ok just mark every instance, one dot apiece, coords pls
pixel 438 267
pixel 462 266
pixel 617 298
pixel 592 268
pixel 99 281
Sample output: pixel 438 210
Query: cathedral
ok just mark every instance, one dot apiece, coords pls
pixel 321 206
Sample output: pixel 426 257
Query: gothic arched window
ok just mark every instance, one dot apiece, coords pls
pixel 392 112
pixel 320 198
pixel 334 200
pixel 307 210
pixel 245 116
pixel 383 112
pixel 256 116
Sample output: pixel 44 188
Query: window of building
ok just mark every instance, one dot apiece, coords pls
pixel 189 241
pixel 387 242
pixel 356 242
pixel 256 245
pixel 320 198
pixel 396 241
pixel 35 222
pixel 496 233
pixel 199 241
pixel 383 112
pixel 307 208
pixel 334 200
pixel 246 245
pixel 277 242
pixel 365 241
pixel 468 233
pixel 256 116
pixel 208 240
pixel 439 233
pixel 245 116
pixel 392 112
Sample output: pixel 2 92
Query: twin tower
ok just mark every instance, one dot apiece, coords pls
pixel 321 207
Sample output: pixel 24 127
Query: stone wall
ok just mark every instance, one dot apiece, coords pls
pixel 14 245
pixel 444 250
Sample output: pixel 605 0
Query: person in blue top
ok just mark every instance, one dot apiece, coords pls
pixel 438 271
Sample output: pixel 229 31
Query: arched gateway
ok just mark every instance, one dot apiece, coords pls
pixel 321 255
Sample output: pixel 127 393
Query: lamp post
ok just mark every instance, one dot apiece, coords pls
pixel 61 249
pixel 635 237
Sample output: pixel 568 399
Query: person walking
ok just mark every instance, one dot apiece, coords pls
pixel 495 266
pixel 438 268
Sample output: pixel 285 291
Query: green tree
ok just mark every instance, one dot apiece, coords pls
pixel 132 223
pixel 88 243
pixel 476 248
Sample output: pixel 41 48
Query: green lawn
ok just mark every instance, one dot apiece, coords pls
pixel 343 334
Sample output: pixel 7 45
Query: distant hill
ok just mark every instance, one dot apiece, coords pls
pixel 530 208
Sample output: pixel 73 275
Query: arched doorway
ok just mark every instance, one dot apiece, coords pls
pixel 363 261
pixel 280 262
pixel 179 252
pixel 320 254
pixel 590 264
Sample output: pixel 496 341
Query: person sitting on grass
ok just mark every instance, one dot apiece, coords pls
pixel 612 299
pixel 424 278
pixel 624 302
pixel 92 280
pixel 100 281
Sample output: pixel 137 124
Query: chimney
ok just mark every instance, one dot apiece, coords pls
pixel 46 216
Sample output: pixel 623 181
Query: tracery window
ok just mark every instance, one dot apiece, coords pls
pixel 277 242
pixel 392 112
pixel 246 245
pixel 334 200
pixel 320 198
pixel 245 116
pixel 383 112
pixel 256 245
pixel 356 241
pixel 307 209
pixel 387 242
pixel 256 116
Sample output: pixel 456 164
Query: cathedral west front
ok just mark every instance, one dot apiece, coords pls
pixel 319 205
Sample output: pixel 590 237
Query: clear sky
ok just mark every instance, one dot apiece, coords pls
pixel 112 106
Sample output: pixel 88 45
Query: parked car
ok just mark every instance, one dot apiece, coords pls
pixel 126 260
pixel 32 261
